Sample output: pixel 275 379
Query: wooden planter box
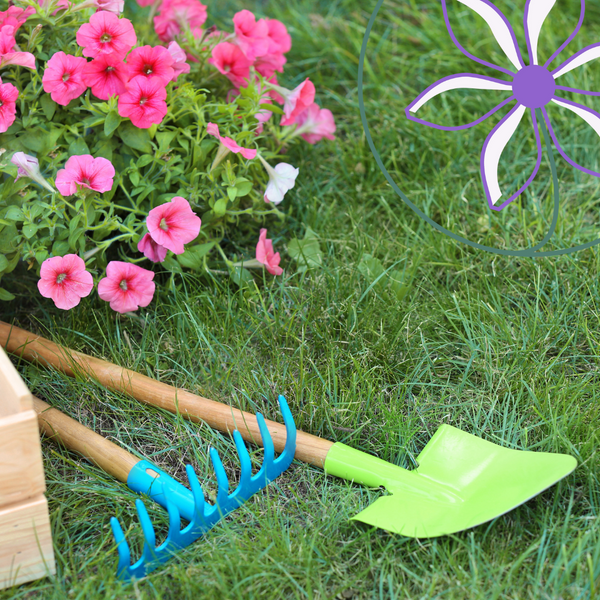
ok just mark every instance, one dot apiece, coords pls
pixel 25 535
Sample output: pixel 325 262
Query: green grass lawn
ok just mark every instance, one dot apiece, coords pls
pixel 504 348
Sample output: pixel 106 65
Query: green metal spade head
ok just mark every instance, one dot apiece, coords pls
pixel 461 481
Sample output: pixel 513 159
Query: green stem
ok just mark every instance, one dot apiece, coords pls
pixel 133 210
pixel 227 261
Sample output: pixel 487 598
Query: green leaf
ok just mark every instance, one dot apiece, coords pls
pixel 41 256
pixel 12 262
pixel 185 144
pixel 29 230
pixel 402 282
pixel 240 276
pixel 48 106
pixel 6 295
pixel 41 141
pixel 104 148
pixel 144 160
pixel 14 213
pixel 136 138
pixel 372 270
pixel 134 177
pixel 164 138
pixel 75 235
pixel 244 187
pixel 3 263
pixel 74 223
pixel 78 147
pixel 232 193
pixel 113 120
pixel 306 252
pixel 147 190
pixel 192 257
pixel 220 207
pixel 93 121
pixel 90 214
pixel 60 247
pixel 7 239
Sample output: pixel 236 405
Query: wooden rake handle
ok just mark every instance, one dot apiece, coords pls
pixel 309 448
pixel 71 433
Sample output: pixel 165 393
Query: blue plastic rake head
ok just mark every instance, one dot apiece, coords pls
pixel 146 478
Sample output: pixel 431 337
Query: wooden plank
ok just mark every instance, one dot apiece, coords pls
pixel 25 543
pixel 21 468
pixel 14 395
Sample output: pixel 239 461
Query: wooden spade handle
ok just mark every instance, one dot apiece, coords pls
pixel 75 436
pixel 309 448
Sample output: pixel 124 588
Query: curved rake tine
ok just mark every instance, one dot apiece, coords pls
pixel 199 501
pixel 290 441
pixel 122 547
pixel 267 440
pixel 245 463
pixel 149 552
pixel 223 482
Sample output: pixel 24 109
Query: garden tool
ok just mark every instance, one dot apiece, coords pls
pixel 143 477
pixel 461 480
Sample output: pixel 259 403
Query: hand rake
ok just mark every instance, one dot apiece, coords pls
pixel 461 481
pixel 145 478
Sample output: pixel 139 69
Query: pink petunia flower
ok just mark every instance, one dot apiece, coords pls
pixel 179 57
pixel 315 123
pixel 266 255
pixel 144 101
pixel 153 251
pixel 230 143
pixel 251 36
pixel 63 77
pixel 8 107
pixel 231 62
pixel 106 34
pixel 29 166
pixel 144 3
pixel 282 178
pixel 21 59
pixel 7 45
pixel 173 224
pixel 299 99
pixel 268 64
pixel 280 40
pixel 149 61
pixel 174 14
pixel 15 16
pixel 65 280
pixel 107 75
pixel 85 171
pixel 7 39
pixel 126 286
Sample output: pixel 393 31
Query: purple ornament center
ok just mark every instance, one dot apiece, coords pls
pixel 534 86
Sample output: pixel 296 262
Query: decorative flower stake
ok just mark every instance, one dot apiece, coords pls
pixel 533 86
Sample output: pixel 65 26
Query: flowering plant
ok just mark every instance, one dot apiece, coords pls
pixel 151 140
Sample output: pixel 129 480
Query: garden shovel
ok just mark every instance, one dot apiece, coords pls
pixel 461 480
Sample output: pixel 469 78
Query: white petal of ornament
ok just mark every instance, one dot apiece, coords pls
pixel 536 15
pixel 493 148
pixel 585 56
pixel 454 83
pixel 499 27
pixel 589 117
